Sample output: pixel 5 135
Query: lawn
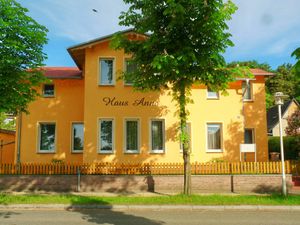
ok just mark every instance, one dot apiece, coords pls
pixel 160 200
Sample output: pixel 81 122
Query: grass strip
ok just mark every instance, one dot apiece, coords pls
pixel 6 199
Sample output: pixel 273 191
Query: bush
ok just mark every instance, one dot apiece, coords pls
pixel 291 146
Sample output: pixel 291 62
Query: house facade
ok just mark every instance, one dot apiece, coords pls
pixel 88 114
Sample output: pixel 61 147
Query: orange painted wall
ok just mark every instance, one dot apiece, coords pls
pixel 7 153
pixel 66 107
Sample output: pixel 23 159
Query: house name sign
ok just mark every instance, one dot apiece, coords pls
pixel 113 101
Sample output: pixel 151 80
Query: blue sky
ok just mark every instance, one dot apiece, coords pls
pixel 264 30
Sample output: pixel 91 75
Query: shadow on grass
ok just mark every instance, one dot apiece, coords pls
pixel 106 214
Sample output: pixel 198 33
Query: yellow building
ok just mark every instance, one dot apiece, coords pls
pixel 87 115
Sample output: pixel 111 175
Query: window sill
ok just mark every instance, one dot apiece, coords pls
pixel 212 98
pixel 77 152
pixel 48 96
pixel 106 85
pixel 214 151
pixel 106 152
pixel 131 152
pixel 157 152
pixel 45 152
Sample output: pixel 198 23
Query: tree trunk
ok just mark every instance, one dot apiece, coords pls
pixel 185 144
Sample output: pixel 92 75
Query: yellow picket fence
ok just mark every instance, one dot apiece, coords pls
pixel 148 169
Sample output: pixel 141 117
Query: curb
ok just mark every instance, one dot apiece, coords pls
pixel 148 207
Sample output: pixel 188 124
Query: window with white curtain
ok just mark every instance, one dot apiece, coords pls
pixel 157 136
pixel 106 135
pixel 214 137
pixel 246 89
pixel 106 71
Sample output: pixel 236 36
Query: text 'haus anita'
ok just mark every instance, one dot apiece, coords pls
pixel 89 115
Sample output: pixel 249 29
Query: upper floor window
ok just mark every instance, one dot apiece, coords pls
pixel 48 90
pixel 246 90
pixel 77 137
pixel 47 137
pixel 130 67
pixel 212 94
pixel 214 137
pixel 106 71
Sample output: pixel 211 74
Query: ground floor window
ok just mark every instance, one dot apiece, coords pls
pixel 106 135
pixel 249 136
pixel 157 136
pixel 47 137
pixel 132 135
pixel 214 137
pixel 77 137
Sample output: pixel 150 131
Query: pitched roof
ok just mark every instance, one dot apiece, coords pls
pixel 4 131
pixel 62 72
pixel 272 114
pixel 261 72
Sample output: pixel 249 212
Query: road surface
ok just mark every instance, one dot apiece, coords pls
pixel 148 217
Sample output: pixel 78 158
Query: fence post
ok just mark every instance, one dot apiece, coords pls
pixel 78 179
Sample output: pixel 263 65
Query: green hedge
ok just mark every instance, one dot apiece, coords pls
pixel 291 146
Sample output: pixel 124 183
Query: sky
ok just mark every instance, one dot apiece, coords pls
pixel 264 30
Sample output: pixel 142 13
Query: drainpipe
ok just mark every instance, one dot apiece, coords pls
pixel 19 138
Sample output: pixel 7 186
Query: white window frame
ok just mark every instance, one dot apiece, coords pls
pixel 72 137
pixel 39 138
pixel 99 136
pixel 159 151
pixel 211 97
pixel 132 151
pixel 48 96
pixel 113 71
pixel 221 137
pixel 180 144
pixel 251 91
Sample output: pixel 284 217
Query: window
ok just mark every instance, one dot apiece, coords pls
pixel 246 90
pixel 130 68
pixel 77 137
pixel 214 137
pixel 157 136
pixel 188 131
pixel 249 136
pixel 106 72
pixel 47 137
pixel 212 94
pixel 48 90
pixel 106 135
pixel 132 136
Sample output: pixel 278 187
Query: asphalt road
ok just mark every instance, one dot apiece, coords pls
pixel 148 217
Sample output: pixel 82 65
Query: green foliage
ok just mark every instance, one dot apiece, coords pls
pixel 293 127
pixel 296 54
pixel 285 81
pixel 21 45
pixel 7 125
pixel 185 45
pixel 291 146
pixel 253 64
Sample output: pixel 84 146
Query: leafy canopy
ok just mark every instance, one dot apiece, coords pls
pixel 185 43
pixel 21 51
pixel 293 127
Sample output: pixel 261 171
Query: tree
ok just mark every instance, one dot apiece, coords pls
pixel 296 54
pixel 185 45
pixel 21 45
pixel 7 124
pixel 253 64
pixel 293 128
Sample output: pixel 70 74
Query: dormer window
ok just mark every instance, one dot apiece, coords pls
pixel 48 90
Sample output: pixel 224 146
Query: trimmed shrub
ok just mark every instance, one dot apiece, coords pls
pixel 291 146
